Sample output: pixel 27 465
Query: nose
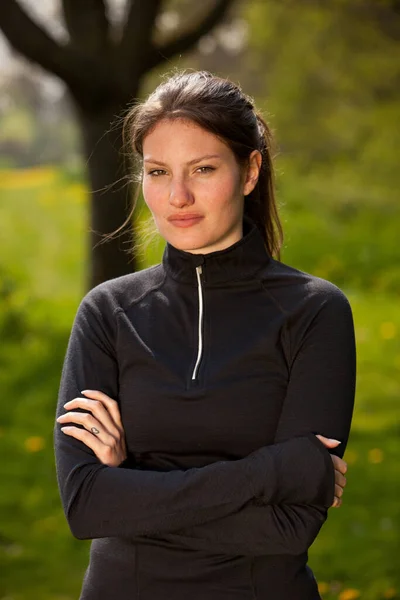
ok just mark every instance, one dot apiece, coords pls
pixel 180 194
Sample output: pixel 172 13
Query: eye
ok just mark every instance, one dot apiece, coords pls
pixel 155 172
pixel 206 169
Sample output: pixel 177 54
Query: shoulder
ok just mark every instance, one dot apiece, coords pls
pixel 317 313
pixel 120 292
pixel 307 301
pixel 298 291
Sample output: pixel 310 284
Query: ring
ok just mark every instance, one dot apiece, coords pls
pixel 94 430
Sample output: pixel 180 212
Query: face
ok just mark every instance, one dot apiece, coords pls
pixel 194 186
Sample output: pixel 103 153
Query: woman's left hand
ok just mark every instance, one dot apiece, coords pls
pixel 103 432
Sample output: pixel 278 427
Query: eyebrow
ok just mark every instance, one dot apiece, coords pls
pixel 190 162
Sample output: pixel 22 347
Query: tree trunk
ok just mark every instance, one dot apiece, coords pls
pixel 103 75
pixel 111 195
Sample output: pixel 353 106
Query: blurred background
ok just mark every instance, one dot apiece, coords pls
pixel 326 75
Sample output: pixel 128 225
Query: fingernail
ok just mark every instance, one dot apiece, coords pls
pixel 85 391
pixel 334 441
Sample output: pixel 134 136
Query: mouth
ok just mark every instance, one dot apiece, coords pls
pixel 185 220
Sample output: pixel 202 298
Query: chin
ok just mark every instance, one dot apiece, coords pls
pixel 188 242
pixel 190 246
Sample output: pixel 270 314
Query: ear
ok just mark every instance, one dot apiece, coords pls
pixel 253 172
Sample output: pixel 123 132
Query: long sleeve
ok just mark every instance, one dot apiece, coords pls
pixel 102 501
pixel 319 399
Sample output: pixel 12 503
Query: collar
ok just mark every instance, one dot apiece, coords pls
pixel 239 261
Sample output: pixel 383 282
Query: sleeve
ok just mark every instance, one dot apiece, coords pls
pixel 319 399
pixel 102 501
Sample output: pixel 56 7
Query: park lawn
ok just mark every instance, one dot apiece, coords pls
pixel 42 269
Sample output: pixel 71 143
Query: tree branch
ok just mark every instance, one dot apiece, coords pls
pixel 138 29
pixel 84 75
pixel 87 24
pixel 31 40
pixel 188 39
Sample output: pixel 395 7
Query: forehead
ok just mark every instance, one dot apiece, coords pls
pixel 178 132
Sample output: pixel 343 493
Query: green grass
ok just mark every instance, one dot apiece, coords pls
pixel 43 222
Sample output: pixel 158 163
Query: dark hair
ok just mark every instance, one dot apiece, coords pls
pixel 221 107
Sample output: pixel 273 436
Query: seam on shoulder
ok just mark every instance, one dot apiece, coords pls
pixel 143 295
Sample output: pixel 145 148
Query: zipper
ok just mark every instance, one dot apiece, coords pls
pixel 199 271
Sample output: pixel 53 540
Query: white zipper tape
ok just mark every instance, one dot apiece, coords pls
pixel 200 329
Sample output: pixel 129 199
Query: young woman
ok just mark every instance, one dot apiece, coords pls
pixel 203 400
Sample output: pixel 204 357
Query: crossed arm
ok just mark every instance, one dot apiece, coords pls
pixel 273 501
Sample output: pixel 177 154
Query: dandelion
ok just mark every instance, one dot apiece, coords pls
pixel 50 523
pixel 388 330
pixel 77 192
pixel 34 443
pixel 375 456
pixel 26 178
pixel 323 587
pixel 362 334
pixel 351 457
pixel 349 594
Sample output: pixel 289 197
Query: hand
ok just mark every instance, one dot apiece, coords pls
pixel 340 470
pixel 103 432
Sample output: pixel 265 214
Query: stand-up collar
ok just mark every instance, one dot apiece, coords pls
pixel 241 260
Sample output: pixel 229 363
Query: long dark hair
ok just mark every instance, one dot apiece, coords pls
pixel 220 106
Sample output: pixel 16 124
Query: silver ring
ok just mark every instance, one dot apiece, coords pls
pixel 94 430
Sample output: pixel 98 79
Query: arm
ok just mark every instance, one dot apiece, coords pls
pixel 102 501
pixel 320 398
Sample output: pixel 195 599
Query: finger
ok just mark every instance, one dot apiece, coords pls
pixel 110 403
pixel 338 491
pixel 339 464
pixel 340 479
pixel 88 421
pixel 92 441
pixel 97 408
pixel 328 442
pixel 336 502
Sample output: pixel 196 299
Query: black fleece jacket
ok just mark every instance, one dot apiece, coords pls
pixel 224 366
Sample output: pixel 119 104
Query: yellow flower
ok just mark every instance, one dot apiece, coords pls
pixel 26 178
pixel 388 330
pixel 77 192
pixel 49 523
pixel 349 594
pixel 375 456
pixel 323 587
pixel 362 334
pixel 34 443
pixel 351 457
pixel 390 593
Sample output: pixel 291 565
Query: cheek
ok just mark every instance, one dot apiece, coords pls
pixel 225 191
pixel 152 195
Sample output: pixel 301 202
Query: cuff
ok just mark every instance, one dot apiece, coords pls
pixel 305 472
pixel 328 485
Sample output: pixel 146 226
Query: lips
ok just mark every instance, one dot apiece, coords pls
pixel 186 217
pixel 187 220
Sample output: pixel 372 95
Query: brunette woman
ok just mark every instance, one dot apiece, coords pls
pixel 203 400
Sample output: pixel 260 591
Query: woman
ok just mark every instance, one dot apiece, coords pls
pixel 201 455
